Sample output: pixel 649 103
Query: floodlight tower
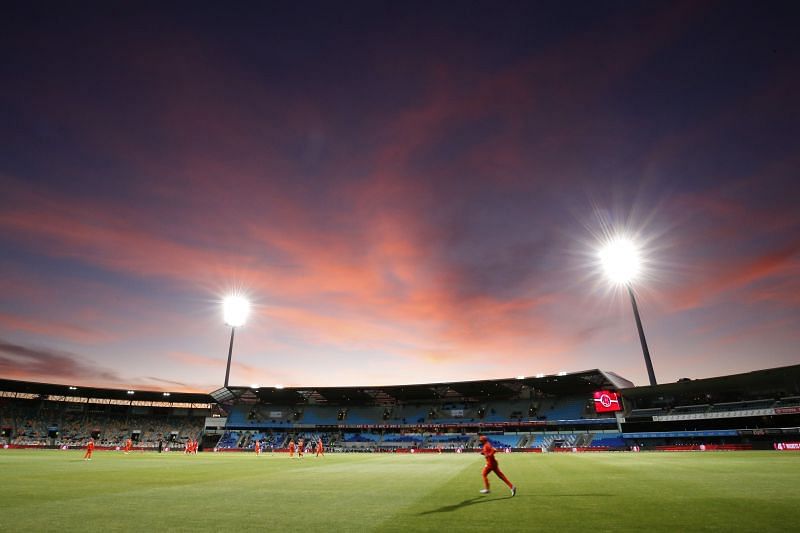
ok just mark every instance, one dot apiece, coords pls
pixel 621 262
pixel 235 310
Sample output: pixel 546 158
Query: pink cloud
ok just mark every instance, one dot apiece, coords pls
pixel 33 363
pixel 47 328
pixel 240 372
pixel 732 275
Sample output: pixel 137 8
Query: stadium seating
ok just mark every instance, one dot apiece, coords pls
pixel 361 437
pixel 504 441
pixel 408 414
pixel 546 413
pixel 33 422
pixel 228 440
pixel 448 437
pixel 650 411
pixel 608 441
pixel 402 439
pixel 319 415
pixel 364 415
pixel 565 409
pixel 741 406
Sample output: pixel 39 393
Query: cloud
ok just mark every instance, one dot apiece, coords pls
pixel 151 383
pixel 735 246
pixel 785 290
pixel 169 382
pixel 244 372
pixel 754 329
pixel 36 364
pixel 54 329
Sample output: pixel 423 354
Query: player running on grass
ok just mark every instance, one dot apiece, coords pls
pixel 488 452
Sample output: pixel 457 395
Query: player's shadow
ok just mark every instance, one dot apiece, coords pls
pixel 471 501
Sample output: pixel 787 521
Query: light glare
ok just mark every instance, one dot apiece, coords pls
pixel 620 260
pixel 235 310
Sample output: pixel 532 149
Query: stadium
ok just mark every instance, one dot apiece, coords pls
pixel 682 455
pixel 424 232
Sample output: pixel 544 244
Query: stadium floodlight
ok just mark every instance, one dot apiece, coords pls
pixel 621 260
pixel 622 263
pixel 166 394
pixel 279 386
pixel 130 392
pixel 235 310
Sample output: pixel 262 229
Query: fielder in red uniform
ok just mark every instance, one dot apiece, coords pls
pixel 488 452
pixel 320 448
pixel 291 448
pixel 89 449
pixel 301 447
pixel 257 447
pixel 128 445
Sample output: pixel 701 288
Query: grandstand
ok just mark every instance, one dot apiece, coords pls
pixel 754 409
pixel 545 413
pixel 525 414
pixel 47 415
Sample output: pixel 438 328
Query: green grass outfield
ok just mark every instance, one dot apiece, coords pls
pixel 675 492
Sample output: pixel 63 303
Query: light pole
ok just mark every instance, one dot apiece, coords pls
pixel 621 262
pixel 235 310
pixel 645 351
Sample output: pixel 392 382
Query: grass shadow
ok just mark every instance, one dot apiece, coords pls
pixel 465 503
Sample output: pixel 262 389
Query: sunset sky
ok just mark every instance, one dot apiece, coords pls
pixel 407 192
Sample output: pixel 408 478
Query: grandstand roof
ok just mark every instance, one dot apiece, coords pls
pixel 774 382
pixel 66 391
pixel 572 383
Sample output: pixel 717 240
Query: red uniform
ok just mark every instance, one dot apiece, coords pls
pixel 291 448
pixel 257 447
pixel 488 452
pixel 89 450
pixel 319 448
pixel 300 448
pixel 128 445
